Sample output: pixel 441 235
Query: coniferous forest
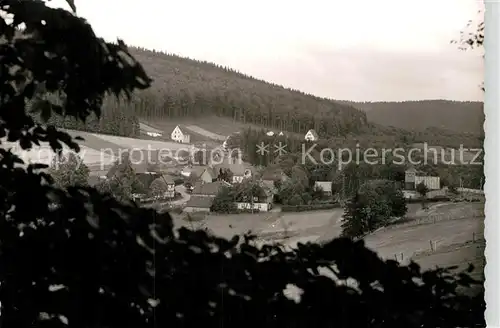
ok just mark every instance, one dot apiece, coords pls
pixel 186 88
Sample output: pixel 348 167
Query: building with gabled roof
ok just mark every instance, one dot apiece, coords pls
pixel 198 204
pixel 209 189
pixel 208 175
pixel 311 135
pixel 179 134
pixel 326 186
pixel 413 177
pixel 240 171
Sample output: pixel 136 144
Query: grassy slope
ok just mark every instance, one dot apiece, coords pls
pixel 219 125
pixel 453 237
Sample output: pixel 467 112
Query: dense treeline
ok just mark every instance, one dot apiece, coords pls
pixel 458 116
pixel 186 88
pixel 117 118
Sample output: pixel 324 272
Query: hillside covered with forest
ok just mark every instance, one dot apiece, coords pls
pixel 186 88
pixel 458 116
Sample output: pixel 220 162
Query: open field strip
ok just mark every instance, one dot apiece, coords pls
pixel 132 143
pixel 148 128
pixel 206 133
pixel 43 154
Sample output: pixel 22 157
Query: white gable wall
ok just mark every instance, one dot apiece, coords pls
pixel 177 134
pixel 309 136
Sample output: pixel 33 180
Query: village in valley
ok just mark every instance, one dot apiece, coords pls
pixel 239 174
pixel 206 181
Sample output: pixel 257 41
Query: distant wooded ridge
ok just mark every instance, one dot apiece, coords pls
pixel 459 116
pixel 187 88
pixel 224 91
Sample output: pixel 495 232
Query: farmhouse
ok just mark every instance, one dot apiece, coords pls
pixel 208 175
pixel 147 171
pixel 261 204
pixel 240 171
pixel 166 184
pixel 326 187
pixel 311 135
pixel 203 196
pixel 414 178
pixel 179 135
pixel 209 189
pixel 198 204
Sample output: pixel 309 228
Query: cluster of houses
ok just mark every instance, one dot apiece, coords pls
pixel 208 184
pixel 207 180
pixel 311 135
pixel 148 174
pixel 179 133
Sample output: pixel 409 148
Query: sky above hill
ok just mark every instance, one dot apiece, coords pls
pixel 361 50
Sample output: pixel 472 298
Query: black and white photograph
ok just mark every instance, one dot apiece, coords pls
pixel 247 164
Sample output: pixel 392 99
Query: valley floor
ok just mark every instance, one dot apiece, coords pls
pixel 457 239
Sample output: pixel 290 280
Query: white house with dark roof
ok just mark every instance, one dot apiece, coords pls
pixel 311 135
pixel 179 134
pixel 413 178
pixel 208 175
pixel 326 187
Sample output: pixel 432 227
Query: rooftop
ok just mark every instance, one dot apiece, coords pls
pixel 314 133
pixel 200 202
pixel 209 189
pixel 237 168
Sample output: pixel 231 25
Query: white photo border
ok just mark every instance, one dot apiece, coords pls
pixel 492 150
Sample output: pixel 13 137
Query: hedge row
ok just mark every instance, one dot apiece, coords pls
pixel 315 207
pixel 429 200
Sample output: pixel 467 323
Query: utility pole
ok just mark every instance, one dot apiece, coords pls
pixel 461 189
pixel 343 187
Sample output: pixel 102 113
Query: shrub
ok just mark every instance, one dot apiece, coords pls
pixel 312 207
